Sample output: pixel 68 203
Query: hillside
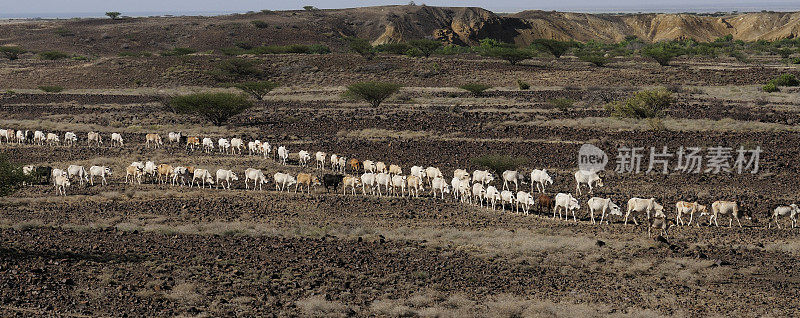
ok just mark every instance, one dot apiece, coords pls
pixel 386 24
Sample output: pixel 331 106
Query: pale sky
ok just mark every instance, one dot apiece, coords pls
pixel 83 7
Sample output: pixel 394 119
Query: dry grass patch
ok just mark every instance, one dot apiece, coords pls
pixel 610 123
pixel 318 306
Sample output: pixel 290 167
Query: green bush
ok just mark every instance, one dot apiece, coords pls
pixel 476 89
pixel 217 108
pixel 426 46
pixel 795 60
pixel 260 24
pixel 256 89
pixel 645 104
pixel 361 47
pixel 372 92
pixel 113 15
pixel 499 163
pixel 663 52
pixel 523 85
pixel 53 55
pixel 770 87
pixel 512 55
pixel 414 52
pixel 786 80
pixel 596 56
pixel 11 52
pixel 64 32
pixel 178 51
pixel 393 48
pixel 51 88
pixel 236 69
pixel 11 177
pixel 562 104
pixel 554 47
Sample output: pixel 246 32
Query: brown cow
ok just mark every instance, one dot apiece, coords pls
pixel 544 203
pixel 191 142
pixel 691 208
pixel 356 165
pixel 306 179
pixel 164 172
pixel 134 173
pixel 155 139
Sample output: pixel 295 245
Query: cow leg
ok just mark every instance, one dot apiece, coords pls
pixel 737 221
pixel 578 188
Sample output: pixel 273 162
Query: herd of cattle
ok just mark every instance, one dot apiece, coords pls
pixel 376 178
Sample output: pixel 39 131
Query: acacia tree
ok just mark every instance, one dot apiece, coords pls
pixel 113 15
pixel 361 46
pixel 11 52
pixel 512 55
pixel 11 177
pixel 372 92
pixel 255 89
pixel 426 46
pixel 217 108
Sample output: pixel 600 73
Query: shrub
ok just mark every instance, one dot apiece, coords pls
pixel 554 47
pixel 215 107
pixel 562 104
pixel 236 69
pixel 786 80
pixel 372 92
pixel 64 32
pixel 512 55
pixel 51 88
pixel 426 46
pixel 113 15
pixel 256 89
pixel 11 177
pixel 393 48
pixel 309 8
pixel 663 52
pixel 53 55
pixel 645 104
pixel 739 56
pixel 178 51
pixel 476 89
pixel 452 49
pixel 361 46
pixel 414 52
pixel 593 55
pixel 795 60
pixel 11 52
pixel 135 54
pixel 770 87
pixel 499 163
pixel 293 48
pixel 523 85
pixel 260 24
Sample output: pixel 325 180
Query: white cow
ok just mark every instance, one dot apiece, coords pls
pixel 605 206
pixel 478 193
pixel 541 179
pixel 283 180
pixel 253 147
pixel 506 197
pixel 303 157
pixel 730 208
pixel 174 136
pixel 61 182
pixel 683 207
pixel 320 159
pixel 418 172
pixel 368 179
pixel 208 145
pixel 334 162
pixel 512 176
pixel 455 183
pixel 431 173
pixel 116 138
pixel 266 149
pixel 236 145
pixel 383 179
pixel 526 199
pixel 3 134
pixel 350 182
pixel 226 175
pixel 94 137
pixel 369 166
pixel 204 176
pixel 438 185
pixel 180 173
pixel 52 139
pixel 150 169
pixel 78 171
pixel 224 146
pixel 380 167
pixel 99 171
pixel 70 139
pixel 461 174
pixel 567 202
pixel 791 210
pixel 398 182
pixel 492 195
pixel 283 154
pixel 483 176
pixel 342 164
pixel 415 186
pixel 463 191
pixel 589 178
pixel 39 137
pixel 646 206
pixel 57 172
pixel 20 137
pixel 256 175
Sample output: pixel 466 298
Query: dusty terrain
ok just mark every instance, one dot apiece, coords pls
pixel 161 250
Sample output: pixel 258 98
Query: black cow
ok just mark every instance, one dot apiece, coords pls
pixel 41 175
pixel 332 180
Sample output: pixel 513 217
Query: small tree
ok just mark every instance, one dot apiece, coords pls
pixel 11 52
pixel 645 104
pixel 309 8
pixel 663 52
pixel 113 15
pixel 11 177
pixel 770 87
pixel 476 89
pixel 523 85
pixel 562 104
pixel 215 107
pixel 426 46
pixel 361 46
pixel 372 92
pixel 555 47
pixel 512 55
pixel 596 56
pixel 236 69
pixel 256 89
pixel 499 163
